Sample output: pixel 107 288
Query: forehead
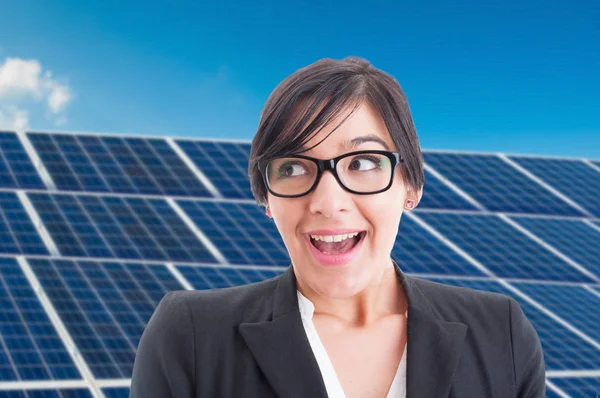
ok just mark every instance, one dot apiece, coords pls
pixel 362 129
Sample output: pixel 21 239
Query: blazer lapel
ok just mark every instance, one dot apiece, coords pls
pixel 281 347
pixel 283 352
pixel 433 346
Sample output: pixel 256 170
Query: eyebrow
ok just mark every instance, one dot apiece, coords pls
pixel 353 143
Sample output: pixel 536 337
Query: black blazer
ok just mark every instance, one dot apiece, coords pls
pixel 249 341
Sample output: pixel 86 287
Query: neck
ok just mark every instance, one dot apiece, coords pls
pixel 383 297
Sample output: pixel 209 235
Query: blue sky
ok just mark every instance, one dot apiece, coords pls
pixel 510 76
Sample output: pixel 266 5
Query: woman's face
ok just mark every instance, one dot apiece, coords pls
pixel 329 207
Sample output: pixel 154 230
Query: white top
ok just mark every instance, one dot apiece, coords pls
pixel 332 384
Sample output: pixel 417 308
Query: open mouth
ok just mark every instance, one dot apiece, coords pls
pixel 337 245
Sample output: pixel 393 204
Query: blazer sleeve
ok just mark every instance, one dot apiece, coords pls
pixel 164 364
pixel 530 373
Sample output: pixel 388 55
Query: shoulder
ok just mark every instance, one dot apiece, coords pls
pixel 493 318
pixel 461 304
pixel 239 303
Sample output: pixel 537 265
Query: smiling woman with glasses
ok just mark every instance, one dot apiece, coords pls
pixel 336 162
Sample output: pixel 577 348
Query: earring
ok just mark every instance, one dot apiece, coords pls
pixel 408 205
pixel 268 211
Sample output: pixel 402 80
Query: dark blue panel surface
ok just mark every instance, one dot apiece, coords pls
pixel 16 169
pixel 64 393
pixel 501 248
pixel 115 227
pixel 203 278
pixel 17 233
pixel 579 387
pixel 574 238
pixel 120 392
pixel 437 195
pixel 563 350
pixel 496 185
pixel 225 164
pixel 241 232
pixel 30 348
pixel 573 178
pixel 105 306
pixel 418 251
pixel 572 303
pixel 116 164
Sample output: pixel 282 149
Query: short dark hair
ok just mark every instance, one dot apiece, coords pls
pixel 310 98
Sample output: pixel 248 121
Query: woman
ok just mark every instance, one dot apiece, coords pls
pixel 336 161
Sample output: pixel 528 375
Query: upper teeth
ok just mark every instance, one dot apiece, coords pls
pixel 334 238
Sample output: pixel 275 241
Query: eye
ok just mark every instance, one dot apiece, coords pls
pixel 365 163
pixel 291 169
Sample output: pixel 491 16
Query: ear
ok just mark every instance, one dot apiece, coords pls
pixel 414 197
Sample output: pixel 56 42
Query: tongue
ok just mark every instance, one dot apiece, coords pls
pixel 336 247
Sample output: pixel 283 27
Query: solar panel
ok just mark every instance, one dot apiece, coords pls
pixel 115 164
pixel 497 185
pixel 121 392
pixel 225 164
pixel 105 306
pixel 116 227
pixel 30 348
pixel 574 238
pixel 241 232
pixel 48 393
pixel 203 278
pixel 418 251
pixel 572 178
pixel 17 233
pixel 16 169
pixel 578 386
pixel 501 248
pixel 562 348
pixel 437 195
pixel 569 302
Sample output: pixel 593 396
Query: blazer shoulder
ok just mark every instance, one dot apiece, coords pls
pixel 459 304
pixel 237 303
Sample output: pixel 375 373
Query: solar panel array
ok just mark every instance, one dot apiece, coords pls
pixel 95 229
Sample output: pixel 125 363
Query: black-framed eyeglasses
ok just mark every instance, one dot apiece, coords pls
pixel 360 172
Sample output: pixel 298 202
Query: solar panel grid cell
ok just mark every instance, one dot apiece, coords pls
pixel 116 164
pixel 573 178
pixel 16 168
pixel 497 185
pixel 563 350
pixel 436 195
pixel 30 348
pixel 203 278
pixel 240 231
pixel 572 303
pixel 223 165
pixel 418 251
pixel 17 233
pixel 501 248
pixel 105 306
pixel 578 386
pixel 573 238
pixel 45 393
pixel 115 227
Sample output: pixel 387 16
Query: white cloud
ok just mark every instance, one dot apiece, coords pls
pixel 24 83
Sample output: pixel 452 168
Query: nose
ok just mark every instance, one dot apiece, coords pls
pixel 329 198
